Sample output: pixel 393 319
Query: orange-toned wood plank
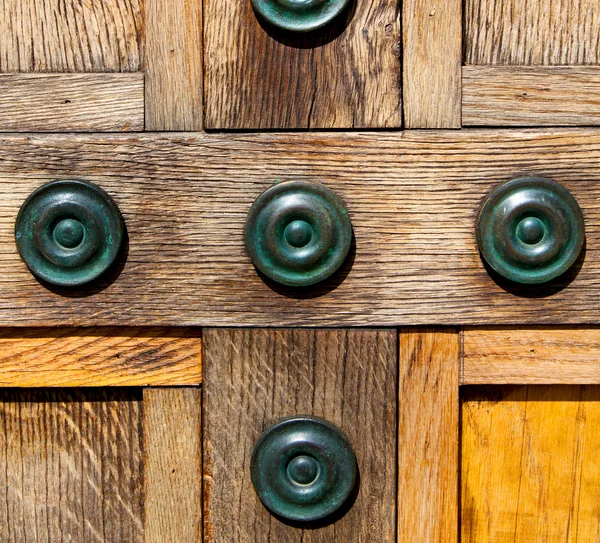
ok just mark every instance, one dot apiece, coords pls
pixel 69 357
pixel 428 436
pixel 531 356
pixel 530 464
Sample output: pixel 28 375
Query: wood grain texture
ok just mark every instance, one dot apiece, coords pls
pixel 530 464
pixel 432 58
pixel 71 36
pixel 255 377
pixel 531 356
pixel 530 96
pixel 71 102
pixel 532 32
pixel 428 442
pixel 68 357
pixel 343 76
pixel 413 199
pixel 173 62
pixel 172 465
pixel 71 466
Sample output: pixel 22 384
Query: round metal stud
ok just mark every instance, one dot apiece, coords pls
pixel 69 232
pixel 299 15
pixel 303 468
pixel 530 230
pixel 298 233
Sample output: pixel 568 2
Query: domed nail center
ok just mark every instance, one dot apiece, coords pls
pixel 303 470
pixel 69 233
pixel 298 233
pixel 531 230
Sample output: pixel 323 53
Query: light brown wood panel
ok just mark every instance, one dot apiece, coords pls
pixel 69 357
pixel 432 58
pixel 71 102
pixel 71 466
pixel 254 377
pixel 71 36
pixel 173 64
pixel 530 96
pixel 172 465
pixel 428 409
pixel 413 199
pixel 532 32
pixel 530 464
pixel 343 76
pixel 531 356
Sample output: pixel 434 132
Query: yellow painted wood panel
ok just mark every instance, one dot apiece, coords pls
pixel 531 464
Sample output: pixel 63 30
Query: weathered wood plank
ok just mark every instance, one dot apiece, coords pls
pixel 172 465
pixel 532 32
pixel 71 102
pixel 71 466
pixel 428 446
pixel 68 357
pixel 531 356
pixel 432 59
pixel 343 76
pixel 173 64
pixel 255 377
pixel 413 199
pixel 71 36
pixel 530 96
pixel 530 464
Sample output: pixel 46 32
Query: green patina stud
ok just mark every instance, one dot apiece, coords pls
pixel 303 468
pixel 530 230
pixel 299 15
pixel 69 232
pixel 298 233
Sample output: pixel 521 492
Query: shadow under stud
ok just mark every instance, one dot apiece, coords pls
pixel 530 230
pixel 68 232
pixel 299 15
pixel 298 233
pixel 303 469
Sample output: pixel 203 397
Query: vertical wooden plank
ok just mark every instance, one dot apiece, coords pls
pixel 530 463
pixel 173 65
pixel 172 465
pixel 254 377
pixel 346 75
pixel 70 466
pixel 428 436
pixel 432 45
pixel 71 36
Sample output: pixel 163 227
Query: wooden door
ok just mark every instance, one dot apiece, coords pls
pixel 130 406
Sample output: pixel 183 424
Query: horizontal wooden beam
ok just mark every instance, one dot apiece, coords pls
pixel 68 357
pixel 531 96
pixel 110 102
pixel 413 199
pixel 536 356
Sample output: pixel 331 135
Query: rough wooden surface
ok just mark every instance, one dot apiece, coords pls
pixel 432 58
pixel 255 377
pixel 428 409
pixel 71 102
pixel 172 465
pixel 70 36
pixel 69 357
pixel 530 96
pixel 71 466
pixel 532 32
pixel 173 64
pixel 531 356
pixel 530 464
pixel 344 76
pixel 413 199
